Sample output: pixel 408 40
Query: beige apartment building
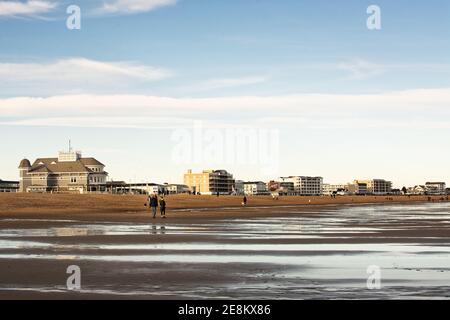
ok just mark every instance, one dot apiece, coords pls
pixel 374 186
pixel 210 182
pixel 69 172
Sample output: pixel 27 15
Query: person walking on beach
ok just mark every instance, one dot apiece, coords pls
pixel 153 204
pixel 244 201
pixel 162 207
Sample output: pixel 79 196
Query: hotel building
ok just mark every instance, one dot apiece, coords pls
pixel 210 182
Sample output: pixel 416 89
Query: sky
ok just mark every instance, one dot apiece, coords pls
pixel 261 88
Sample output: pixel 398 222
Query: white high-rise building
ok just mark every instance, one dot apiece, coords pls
pixel 305 186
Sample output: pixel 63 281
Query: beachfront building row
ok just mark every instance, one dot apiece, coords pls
pixel 260 188
pixel 359 187
pixel 9 186
pixel 210 182
pixel 69 172
pixel 121 187
pixel 303 186
pixel 429 188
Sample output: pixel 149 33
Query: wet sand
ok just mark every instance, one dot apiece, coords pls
pixel 271 251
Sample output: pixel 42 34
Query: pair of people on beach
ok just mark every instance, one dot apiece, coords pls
pixel 153 205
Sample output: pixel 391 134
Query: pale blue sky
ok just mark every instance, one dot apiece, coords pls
pixel 346 102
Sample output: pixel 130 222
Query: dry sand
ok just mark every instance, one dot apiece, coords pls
pixel 109 207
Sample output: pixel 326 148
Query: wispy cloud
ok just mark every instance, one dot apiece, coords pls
pixel 362 69
pixel 223 83
pixel 309 109
pixel 134 6
pixel 30 8
pixel 79 74
pixel 79 69
pixel 232 82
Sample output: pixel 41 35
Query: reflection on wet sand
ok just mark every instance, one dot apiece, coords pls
pixel 305 254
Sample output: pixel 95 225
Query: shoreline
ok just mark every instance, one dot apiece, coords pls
pixel 107 207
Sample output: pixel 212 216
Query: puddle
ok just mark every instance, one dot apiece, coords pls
pixel 328 250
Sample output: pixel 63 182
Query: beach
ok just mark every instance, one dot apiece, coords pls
pixel 131 207
pixel 212 248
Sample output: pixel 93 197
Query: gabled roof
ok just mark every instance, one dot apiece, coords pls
pixel 52 165
pixel 91 162
pixel 39 168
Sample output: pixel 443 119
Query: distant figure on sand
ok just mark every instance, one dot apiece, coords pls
pixel 162 207
pixel 244 201
pixel 153 203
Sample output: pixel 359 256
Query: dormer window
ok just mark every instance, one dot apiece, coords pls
pixel 40 163
pixel 53 162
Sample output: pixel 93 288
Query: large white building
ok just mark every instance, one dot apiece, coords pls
pixel 305 186
pixel 437 188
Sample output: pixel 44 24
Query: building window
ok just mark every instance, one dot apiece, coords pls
pixel 73 180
